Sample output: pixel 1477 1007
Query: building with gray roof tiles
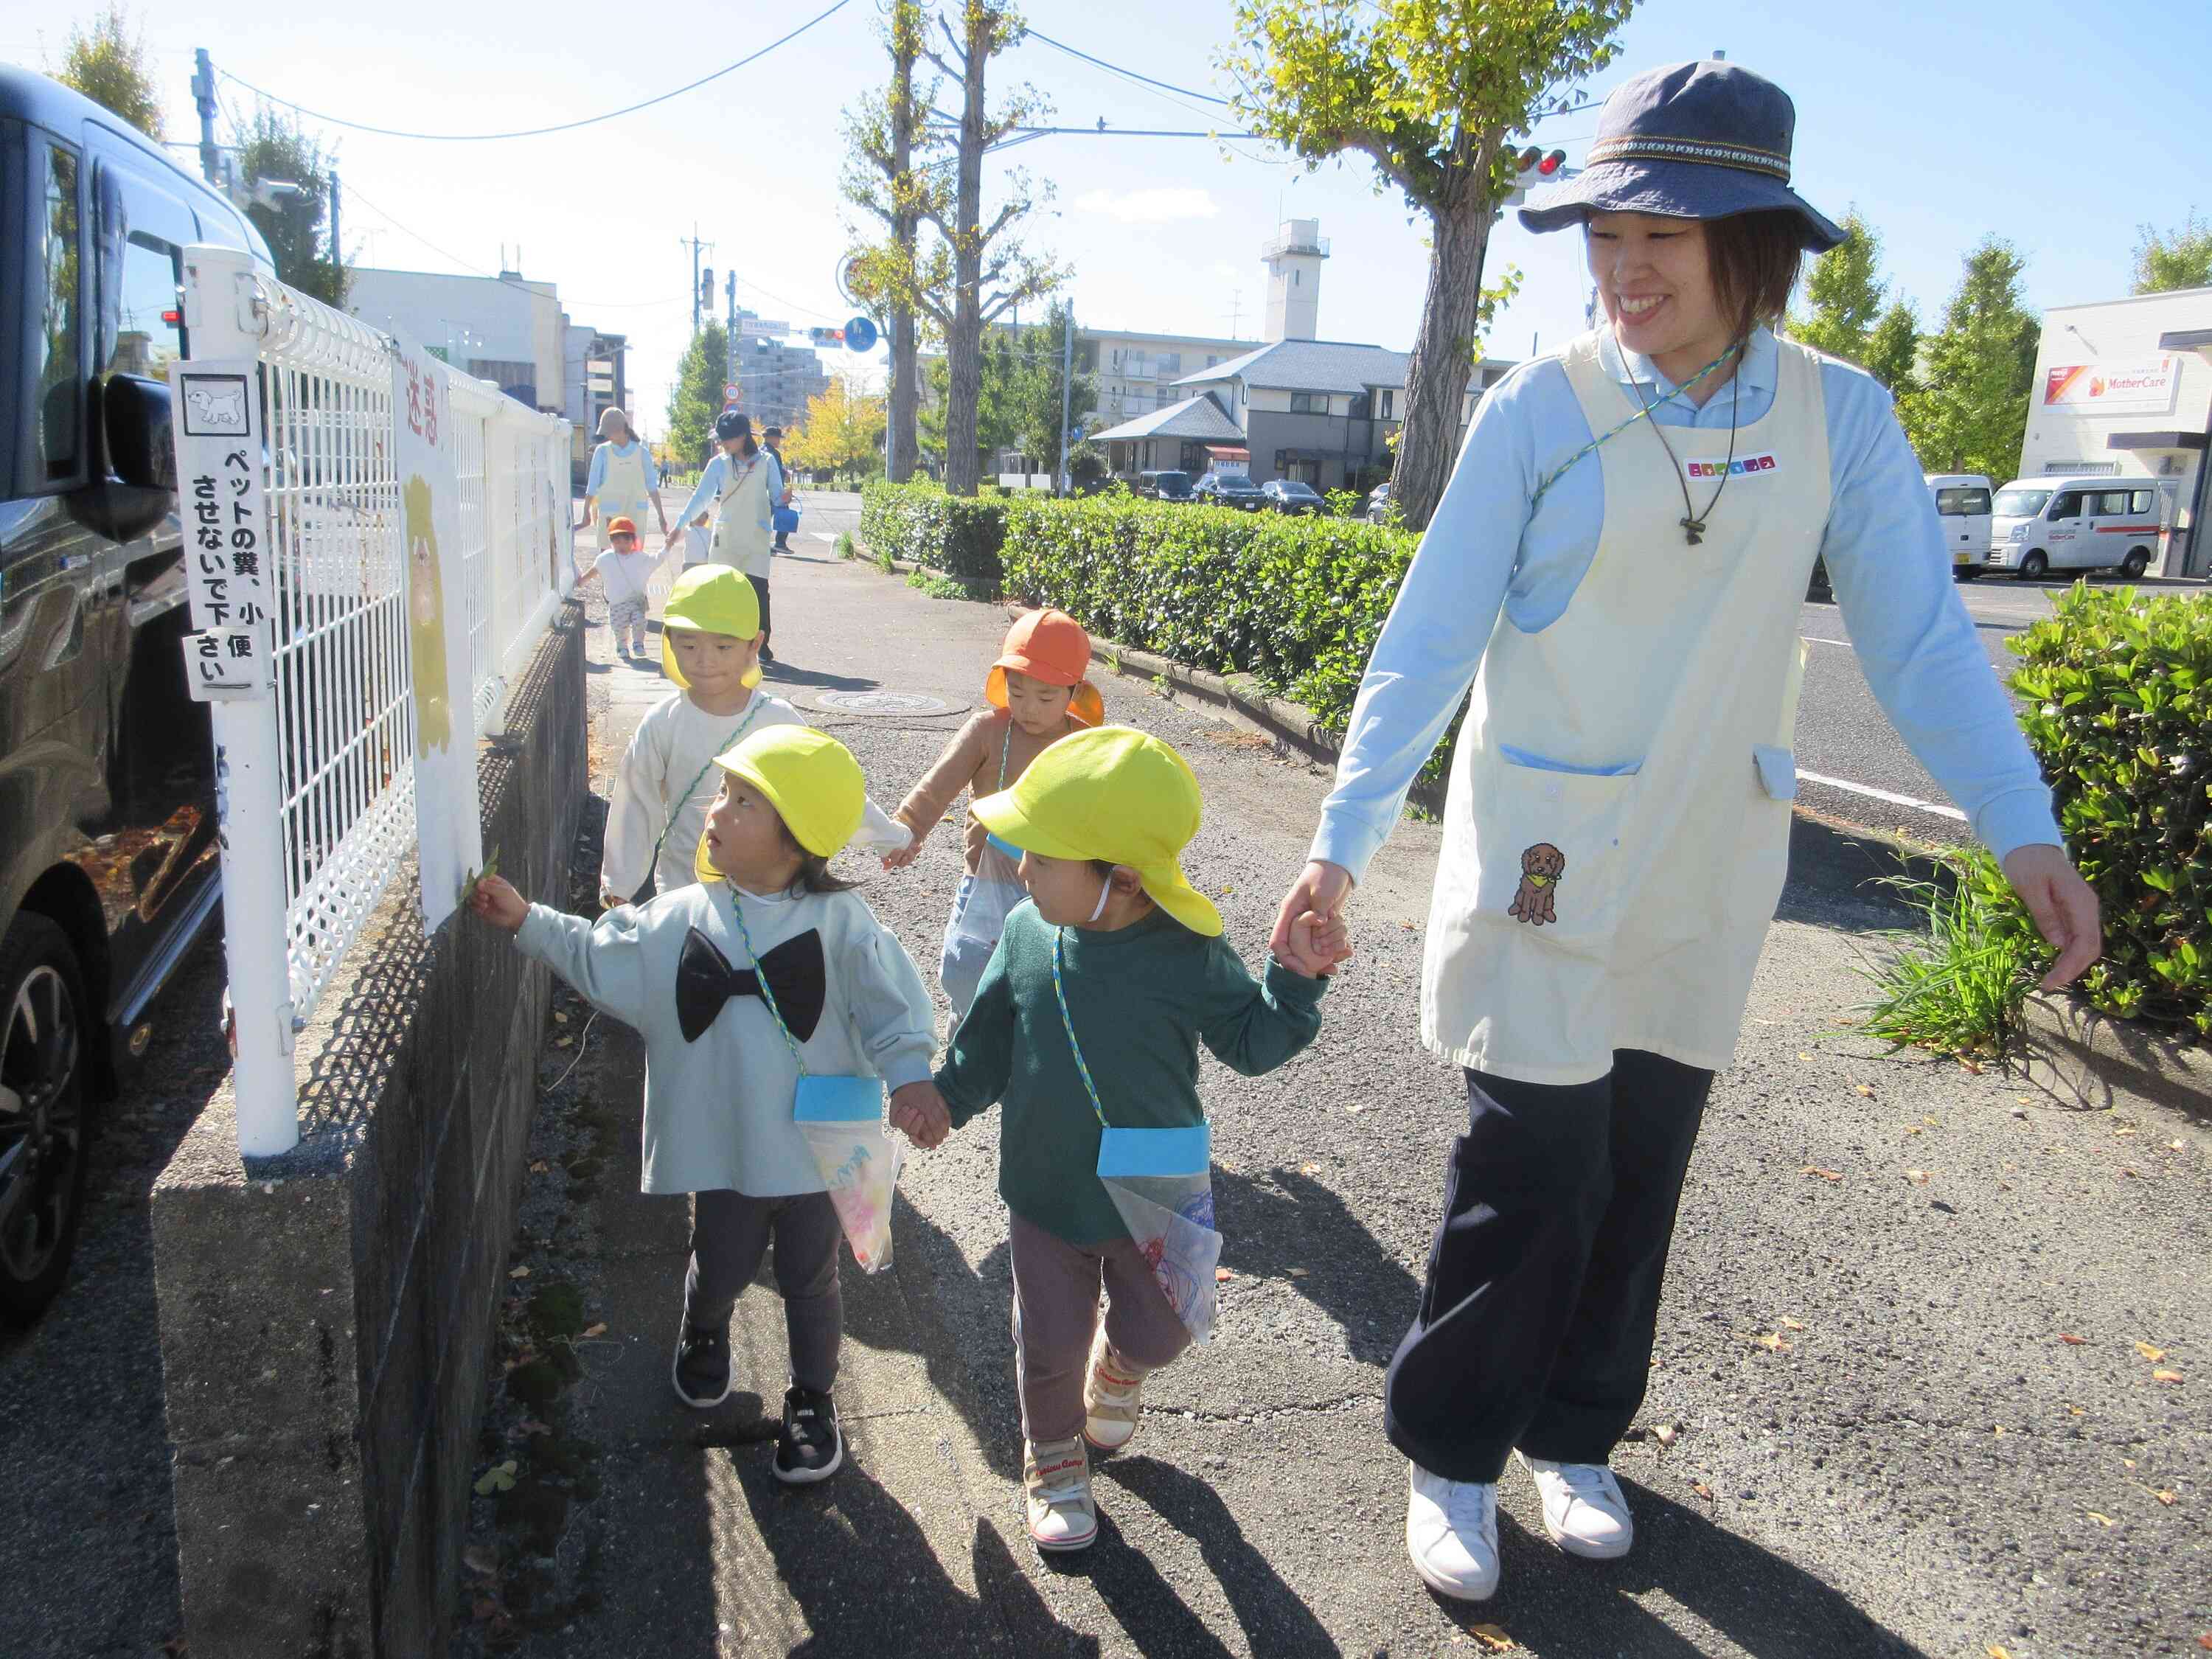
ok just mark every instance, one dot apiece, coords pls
pixel 1310 366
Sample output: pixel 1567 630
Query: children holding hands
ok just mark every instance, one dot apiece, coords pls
pixel 766 969
pixel 1037 695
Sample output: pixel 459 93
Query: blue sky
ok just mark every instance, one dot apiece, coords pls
pixel 1942 121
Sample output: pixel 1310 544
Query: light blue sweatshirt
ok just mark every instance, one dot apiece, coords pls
pixel 1485 551
pixel 717 475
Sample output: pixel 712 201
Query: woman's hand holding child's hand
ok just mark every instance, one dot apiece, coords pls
pixel 498 903
pixel 1318 945
pixel 918 1112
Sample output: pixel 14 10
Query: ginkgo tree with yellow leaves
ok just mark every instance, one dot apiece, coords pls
pixel 1431 92
pixel 843 433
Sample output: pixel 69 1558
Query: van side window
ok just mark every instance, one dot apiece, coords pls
pixel 2068 505
pixel 59 433
pixel 2139 501
pixel 149 332
pixel 2112 503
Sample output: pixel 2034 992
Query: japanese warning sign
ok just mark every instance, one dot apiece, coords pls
pixel 216 415
pixel 448 833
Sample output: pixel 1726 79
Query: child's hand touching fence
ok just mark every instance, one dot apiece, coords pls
pixel 918 1112
pixel 496 900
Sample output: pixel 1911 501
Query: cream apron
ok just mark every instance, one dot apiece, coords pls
pixel 741 518
pixel 623 492
pixel 1617 828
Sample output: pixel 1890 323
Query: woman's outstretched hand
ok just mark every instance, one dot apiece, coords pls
pixel 2064 908
pixel 1322 889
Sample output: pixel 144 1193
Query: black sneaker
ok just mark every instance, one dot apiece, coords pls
pixel 809 1446
pixel 702 1369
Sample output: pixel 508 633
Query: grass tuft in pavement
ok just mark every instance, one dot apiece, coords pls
pixel 1960 986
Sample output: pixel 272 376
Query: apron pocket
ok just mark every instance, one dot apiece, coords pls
pixel 1551 843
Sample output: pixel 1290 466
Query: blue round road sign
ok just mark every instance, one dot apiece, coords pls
pixel 859 335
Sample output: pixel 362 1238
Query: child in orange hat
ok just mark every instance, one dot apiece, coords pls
pixel 1038 694
pixel 623 569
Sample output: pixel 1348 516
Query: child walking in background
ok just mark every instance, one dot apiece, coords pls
pixel 622 571
pixel 710 636
pixel 1086 1029
pixel 768 969
pixel 1037 695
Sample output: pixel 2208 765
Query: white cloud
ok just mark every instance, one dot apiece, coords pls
pixel 1150 207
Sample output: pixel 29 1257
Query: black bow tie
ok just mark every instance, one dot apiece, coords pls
pixel 705 980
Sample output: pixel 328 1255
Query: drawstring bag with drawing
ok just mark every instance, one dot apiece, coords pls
pixel 1162 1183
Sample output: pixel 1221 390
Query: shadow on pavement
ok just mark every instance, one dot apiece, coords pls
pixel 1835 875
pixel 1556 1606
pixel 780 672
pixel 1292 1220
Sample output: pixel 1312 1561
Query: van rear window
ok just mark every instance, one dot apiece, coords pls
pixel 1962 502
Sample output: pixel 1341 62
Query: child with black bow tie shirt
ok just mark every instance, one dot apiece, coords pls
pixel 768 971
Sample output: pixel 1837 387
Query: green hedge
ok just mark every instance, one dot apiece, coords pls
pixel 921 523
pixel 2119 690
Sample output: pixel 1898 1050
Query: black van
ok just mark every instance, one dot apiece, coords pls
pixel 108 866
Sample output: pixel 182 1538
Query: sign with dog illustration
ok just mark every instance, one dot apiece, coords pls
pixel 448 833
pixel 215 421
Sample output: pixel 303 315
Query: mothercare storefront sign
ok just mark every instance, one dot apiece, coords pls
pixel 2144 387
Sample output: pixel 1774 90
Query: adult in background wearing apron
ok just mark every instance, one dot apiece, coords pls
pixel 1621 553
pixel 623 478
pixel 742 482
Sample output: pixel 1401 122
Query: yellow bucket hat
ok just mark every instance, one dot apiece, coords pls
pixel 714 599
pixel 1110 793
pixel 808 777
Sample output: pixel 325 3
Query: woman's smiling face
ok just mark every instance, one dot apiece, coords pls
pixel 1654 280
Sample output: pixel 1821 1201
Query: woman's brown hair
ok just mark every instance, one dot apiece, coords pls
pixel 1754 258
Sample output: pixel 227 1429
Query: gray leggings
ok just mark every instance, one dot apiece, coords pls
pixel 730 1233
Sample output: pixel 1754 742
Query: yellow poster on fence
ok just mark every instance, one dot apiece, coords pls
pixel 448 835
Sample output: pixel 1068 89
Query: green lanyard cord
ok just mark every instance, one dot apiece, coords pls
pixel 721 750
pixel 1059 990
pixel 1560 471
pixel 760 976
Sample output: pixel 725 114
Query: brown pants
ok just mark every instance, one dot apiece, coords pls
pixel 1056 1314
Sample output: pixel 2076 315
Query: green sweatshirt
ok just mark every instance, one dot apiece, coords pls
pixel 1141 999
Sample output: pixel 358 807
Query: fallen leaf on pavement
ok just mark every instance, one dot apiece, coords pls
pixel 1353 1111
pixel 481 1557
pixel 1492 1637
pixel 1995 1650
pixel 1864 1089
pixel 1933 1122
pixel 1824 1175
pixel 1222 1275
pixel 2101 1520
pixel 1801 1054
pixel 2077 1411
pixel 598 1329
pixel 2149 1352
pixel 1308 1168
pixel 563 1042
pixel 532 1425
pixel 1668 1434
pixel 2000 1430
pixel 538 1166
pixel 519 1272
pixel 2164 1375
pixel 1789 1324
pixel 2127 1462
pixel 2205 1640
pixel 560 1018
pixel 1917 1177
pixel 1701 1490
pixel 1912 1128
pixel 2175 1145
pixel 2070 1339
pixel 500 1477
pixel 1972 1066
pixel 1773 1342
pixel 2168 1498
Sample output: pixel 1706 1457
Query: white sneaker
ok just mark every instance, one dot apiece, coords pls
pixel 1584 1509
pixel 1451 1532
pixel 1112 1397
pixel 1056 1492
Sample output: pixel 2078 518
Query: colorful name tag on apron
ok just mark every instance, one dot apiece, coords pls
pixel 841 1119
pixel 1161 1181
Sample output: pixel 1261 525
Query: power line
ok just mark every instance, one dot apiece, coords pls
pixel 1117 69
pixel 354 190
pixel 540 132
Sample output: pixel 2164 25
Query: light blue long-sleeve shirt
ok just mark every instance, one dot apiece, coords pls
pixel 598 476
pixel 717 475
pixel 1485 551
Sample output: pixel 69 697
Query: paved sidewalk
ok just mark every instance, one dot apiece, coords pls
pixel 1884 1438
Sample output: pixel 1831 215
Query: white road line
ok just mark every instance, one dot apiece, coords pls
pixel 1816 639
pixel 823 535
pixel 1893 798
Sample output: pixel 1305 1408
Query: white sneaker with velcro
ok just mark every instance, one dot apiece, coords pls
pixel 1584 1510
pixel 1451 1532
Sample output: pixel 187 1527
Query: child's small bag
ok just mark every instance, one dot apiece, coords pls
pixel 841 1119
pixel 1162 1183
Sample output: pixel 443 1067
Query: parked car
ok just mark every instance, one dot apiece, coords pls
pixel 1290 496
pixel 1165 485
pixel 1378 504
pixel 1962 502
pixel 108 858
pixel 2041 524
pixel 1229 489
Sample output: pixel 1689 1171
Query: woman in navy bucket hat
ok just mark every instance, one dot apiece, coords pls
pixel 1617 568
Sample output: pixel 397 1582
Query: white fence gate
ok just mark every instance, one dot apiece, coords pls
pixel 316 783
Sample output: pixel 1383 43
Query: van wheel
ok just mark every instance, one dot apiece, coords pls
pixel 2136 563
pixel 44 1140
pixel 2034 566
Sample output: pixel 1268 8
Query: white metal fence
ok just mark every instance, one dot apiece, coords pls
pixel 335 748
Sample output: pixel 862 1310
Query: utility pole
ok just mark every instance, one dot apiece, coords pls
pixel 1066 387
pixel 730 340
pixel 337 247
pixel 204 97
pixel 697 247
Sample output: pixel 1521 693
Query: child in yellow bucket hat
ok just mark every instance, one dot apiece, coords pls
pixel 1035 694
pixel 710 649
pixel 1089 1017
pixel 767 971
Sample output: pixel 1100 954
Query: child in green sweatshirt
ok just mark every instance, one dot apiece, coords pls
pixel 1089 1015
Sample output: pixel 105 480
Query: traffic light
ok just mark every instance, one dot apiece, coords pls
pixel 707 288
pixel 1535 167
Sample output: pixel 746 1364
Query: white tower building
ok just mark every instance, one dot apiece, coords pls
pixel 1294 257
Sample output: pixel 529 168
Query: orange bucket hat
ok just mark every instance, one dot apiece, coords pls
pixel 1048 646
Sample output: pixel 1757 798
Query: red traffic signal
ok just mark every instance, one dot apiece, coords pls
pixel 1541 162
pixel 1553 162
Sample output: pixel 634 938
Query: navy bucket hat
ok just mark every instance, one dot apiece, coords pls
pixel 1704 140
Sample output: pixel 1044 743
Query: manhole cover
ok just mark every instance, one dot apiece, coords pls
pixel 881 702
